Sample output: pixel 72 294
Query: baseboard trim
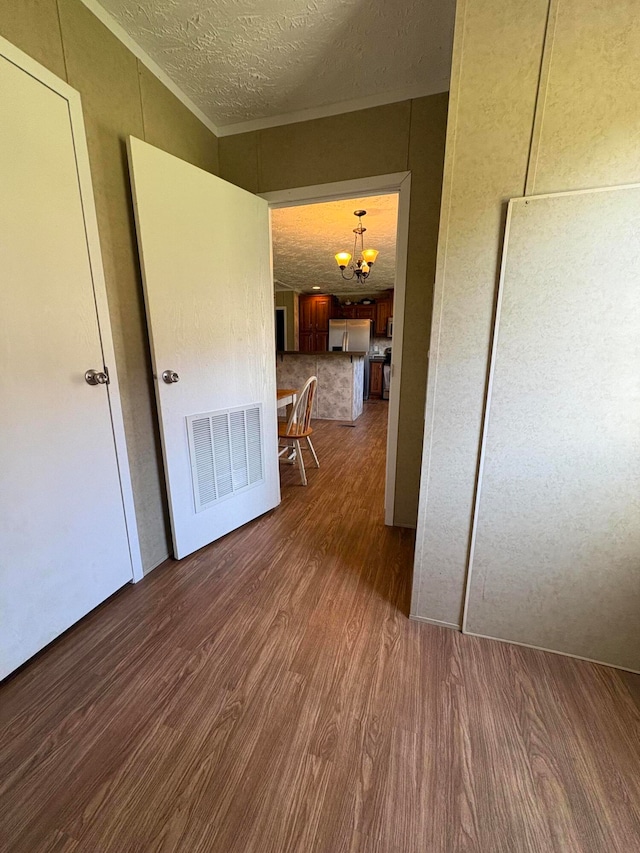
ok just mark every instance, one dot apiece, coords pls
pixel 552 651
pixel 437 622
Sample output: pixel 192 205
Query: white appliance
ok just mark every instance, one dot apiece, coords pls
pixel 349 335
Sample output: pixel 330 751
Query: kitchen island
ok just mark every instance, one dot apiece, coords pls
pixel 340 380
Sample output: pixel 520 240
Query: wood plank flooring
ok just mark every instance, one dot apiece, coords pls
pixel 269 695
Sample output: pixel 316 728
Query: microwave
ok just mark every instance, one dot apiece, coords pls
pixel 390 327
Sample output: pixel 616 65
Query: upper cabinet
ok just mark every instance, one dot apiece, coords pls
pixel 366 312
pixel 357 311
pixel 378 311
pixel 384 311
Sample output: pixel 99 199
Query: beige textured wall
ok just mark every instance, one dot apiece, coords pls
pixel 589 115
pixel 491 114
pixel 393 138
pixel 119 97
pixel 545 114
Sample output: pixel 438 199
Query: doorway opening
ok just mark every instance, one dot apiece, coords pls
pixel 336 326
pixel 223 386
pixel 281 328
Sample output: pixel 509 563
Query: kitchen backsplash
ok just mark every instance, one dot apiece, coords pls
pixel 381 343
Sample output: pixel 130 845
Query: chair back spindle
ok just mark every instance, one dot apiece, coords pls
pixel 300 417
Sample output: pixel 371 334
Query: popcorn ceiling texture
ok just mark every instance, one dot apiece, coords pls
pixel 306 238
pixel 246 60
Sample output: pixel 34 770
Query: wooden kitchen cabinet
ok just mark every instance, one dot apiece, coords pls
pixel 313 322
pixel 322 341
pixel 378 312
pixel 348 312
pixel 357 311
pixel 307 342
pixel 323 312
pixel 375 379
pixel 366 312
pixel 384 310
pixel 306 315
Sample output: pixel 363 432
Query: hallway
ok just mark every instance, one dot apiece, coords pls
pixel 269 695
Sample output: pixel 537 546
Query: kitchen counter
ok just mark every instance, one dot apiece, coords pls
pixel 340 381
pixel 318 352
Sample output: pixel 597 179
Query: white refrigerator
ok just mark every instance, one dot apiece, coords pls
pixel 349 335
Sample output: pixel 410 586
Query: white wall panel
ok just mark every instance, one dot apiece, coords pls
pixel 556 548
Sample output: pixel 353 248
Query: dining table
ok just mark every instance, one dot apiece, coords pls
pixel 286 396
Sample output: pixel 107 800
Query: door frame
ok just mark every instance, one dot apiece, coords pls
pixel 23 61
pixel 396 182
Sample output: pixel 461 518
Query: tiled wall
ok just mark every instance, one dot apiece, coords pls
pixel 381 343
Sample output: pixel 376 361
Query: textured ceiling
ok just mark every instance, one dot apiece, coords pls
pixel 240 60
pixel 306 238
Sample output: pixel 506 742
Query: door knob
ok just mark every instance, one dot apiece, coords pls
pixel 170 376
pixel 96 377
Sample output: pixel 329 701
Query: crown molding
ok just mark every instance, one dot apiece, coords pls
pixel 122 35
pixel 339 108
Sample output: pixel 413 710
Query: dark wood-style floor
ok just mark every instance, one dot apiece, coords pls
pixel 269 695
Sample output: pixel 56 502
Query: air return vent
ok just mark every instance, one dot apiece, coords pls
pixel 226 453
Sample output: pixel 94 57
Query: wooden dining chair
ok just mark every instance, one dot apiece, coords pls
pixel 297 427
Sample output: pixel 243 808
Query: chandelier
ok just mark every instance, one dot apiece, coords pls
pixel 361 269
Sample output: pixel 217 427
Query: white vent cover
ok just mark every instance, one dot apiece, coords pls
pixel 226 453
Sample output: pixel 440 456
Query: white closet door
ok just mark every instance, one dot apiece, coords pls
pixel 64 538
pixel 206 262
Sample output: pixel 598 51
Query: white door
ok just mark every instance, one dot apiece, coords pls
pixel 206 262
pixel 64 545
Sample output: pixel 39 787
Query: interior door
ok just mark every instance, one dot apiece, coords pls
pixel 64 538
pixel 206 262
